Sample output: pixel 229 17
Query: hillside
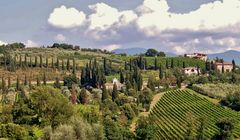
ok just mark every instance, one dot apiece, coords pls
pixel 176 109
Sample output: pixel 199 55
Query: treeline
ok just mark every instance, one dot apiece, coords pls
pixel 15 62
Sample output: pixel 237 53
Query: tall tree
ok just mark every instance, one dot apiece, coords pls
pixel 4 89
pixel 38 81
pixel 73 96
pixel 18 84
pixel 184 65
pixel 57 83
pixel 74 66
pixel 9 82
pixel 36 61
pixel 234 65
pixel 68 64
pixel 46 62
pixel 83 96
pixel 104 92
pixel 41 61
pixel 155 63
pixel 25 60
pixel 222 67
pixel 63 65
pixel 44 79
pixel 53 63
pixel 172 63
pixel 166 63
pixel 25 80
pixel 114 92
pixel 121 77
pixel 160 73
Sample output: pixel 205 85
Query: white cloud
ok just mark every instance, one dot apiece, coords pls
pixel 210 28
pixel 63 17
pixel 105 16
pixel 208 17
pixel 2 43
pixel 111 47
pixel 30 44
pixel 60 38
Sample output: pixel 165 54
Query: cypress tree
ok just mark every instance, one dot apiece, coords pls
pixel 30 83
pixel 139 83
pixel 166 63
pixel 57 83
pixel 9 82
pixel 212 66
pixel 20 61
pixel 38 81
pixel 94 78
pixel 18 84
pixel 46 62
pixel 125 66
pixel 68 64
pixel 31 62
pixel 128 85
pixel 88 74
pixel 114 92
pixel 131 67
pixel 41 61
pixel 178 82
pixel 25 80
pixel 83 77
pixel 145 65
pixel 63 66
pixel 121 77
pixel 4 85
pixel 222 67
pixel 160 73
pixel 83 96
pixel 74 66
pixel 104 92
pixel 234 65
pixel 184 66
pixel 155 64
pixel 52 63
pixel 172 63
pixel 5 61
pixel 36 60
pixel 44 79
pixel 25 60
pixel 73 96
pixel 105 66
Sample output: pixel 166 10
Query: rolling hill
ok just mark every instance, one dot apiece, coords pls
pixel 228 56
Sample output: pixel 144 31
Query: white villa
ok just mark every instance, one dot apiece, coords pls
pixel 191 70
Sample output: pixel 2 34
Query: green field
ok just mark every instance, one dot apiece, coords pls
pixel 170 115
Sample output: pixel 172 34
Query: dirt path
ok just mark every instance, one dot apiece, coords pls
pixel 156 98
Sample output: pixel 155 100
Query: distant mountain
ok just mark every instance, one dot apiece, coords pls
pixel 130 51
pixel 227 56
pixel 133 51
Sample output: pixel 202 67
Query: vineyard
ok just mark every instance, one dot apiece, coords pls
pixel 170 115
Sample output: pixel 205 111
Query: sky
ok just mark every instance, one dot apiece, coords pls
pixel 177 26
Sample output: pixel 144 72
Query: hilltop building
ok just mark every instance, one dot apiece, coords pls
pixel 227 67
pixel 199 56
pixel 192 71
